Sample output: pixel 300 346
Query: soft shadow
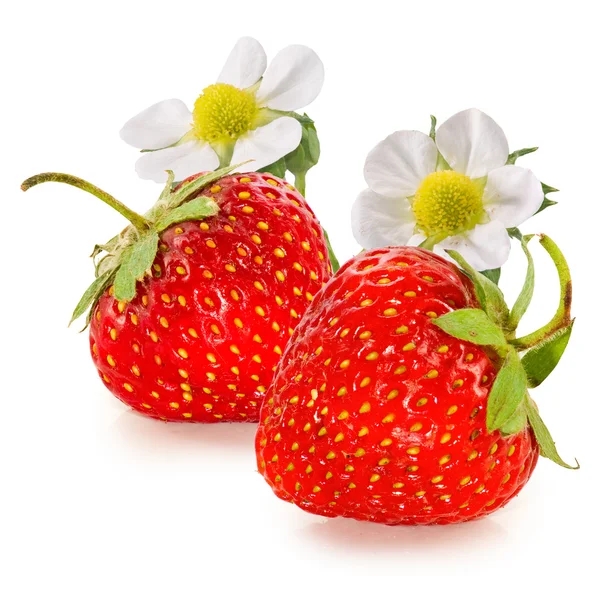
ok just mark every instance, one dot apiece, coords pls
pixel 404 539
pixel 143 431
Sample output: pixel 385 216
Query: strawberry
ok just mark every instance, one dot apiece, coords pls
pixel 195 302
pixel 399 400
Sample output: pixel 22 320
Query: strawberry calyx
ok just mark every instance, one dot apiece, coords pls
pixel 128 257
pixel 523 362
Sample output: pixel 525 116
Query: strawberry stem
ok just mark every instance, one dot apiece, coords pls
pixel 562 316
pixel 139 222
pixel 300 183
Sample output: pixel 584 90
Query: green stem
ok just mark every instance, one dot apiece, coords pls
pixel 300 183
pixel 431 241
pixel 562 316
pixel 136 220
pixel 224 150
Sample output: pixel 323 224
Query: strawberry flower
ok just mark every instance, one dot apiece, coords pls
pixel 245 116
pixel 450 190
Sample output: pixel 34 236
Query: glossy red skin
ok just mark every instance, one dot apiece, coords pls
pixel 214 383
pixel 361 486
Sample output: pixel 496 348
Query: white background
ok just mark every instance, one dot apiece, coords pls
pixel 98 502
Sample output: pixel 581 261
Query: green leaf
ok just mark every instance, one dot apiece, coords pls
pixel 543 437
pixel 517 422
pixel 512 157
pixel 541 360
pixel 524 299
pixel 91 295
pixel 488 293
pixel 508 392
pixel 335 263
pixel 432 128
pixel 277 168
pixel 136 260
pixel 472 325
pixel 492 274
pixel 196 209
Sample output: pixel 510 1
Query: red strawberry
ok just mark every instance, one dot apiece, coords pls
pixel 200 337
pixel 378 414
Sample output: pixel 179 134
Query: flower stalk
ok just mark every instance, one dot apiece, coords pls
pixel 139 222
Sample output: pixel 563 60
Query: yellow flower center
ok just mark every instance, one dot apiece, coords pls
pixel 223 112
pixel 447 203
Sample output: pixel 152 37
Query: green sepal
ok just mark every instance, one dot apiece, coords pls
pixel 515 233
pixel 136 260
pixel 190 188
pixel 507 393
pixel 300 160
pixel 562 316
pixel 541 360
pixel 492 274
pixel 168 189
pixel 277 168
pixel 545 204
pixel 543 437
pixel 547 189
pixel 196 209
pixel 517 422
pixel 432 127
pixel 524 299
pixel 91 295
pixel 307 154
pixel 109 247
pixel 472 325
pixel 512 157
pixel 488 293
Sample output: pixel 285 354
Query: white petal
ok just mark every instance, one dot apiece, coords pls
pixel 483 247
pixel 245 64
pixel 472 143
pixel 512 195
pixel 185 160
pixel 267 144
pixel 159 126
pixel 293 80
pixel 398 164
pixel 379 221
pixel 416 239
